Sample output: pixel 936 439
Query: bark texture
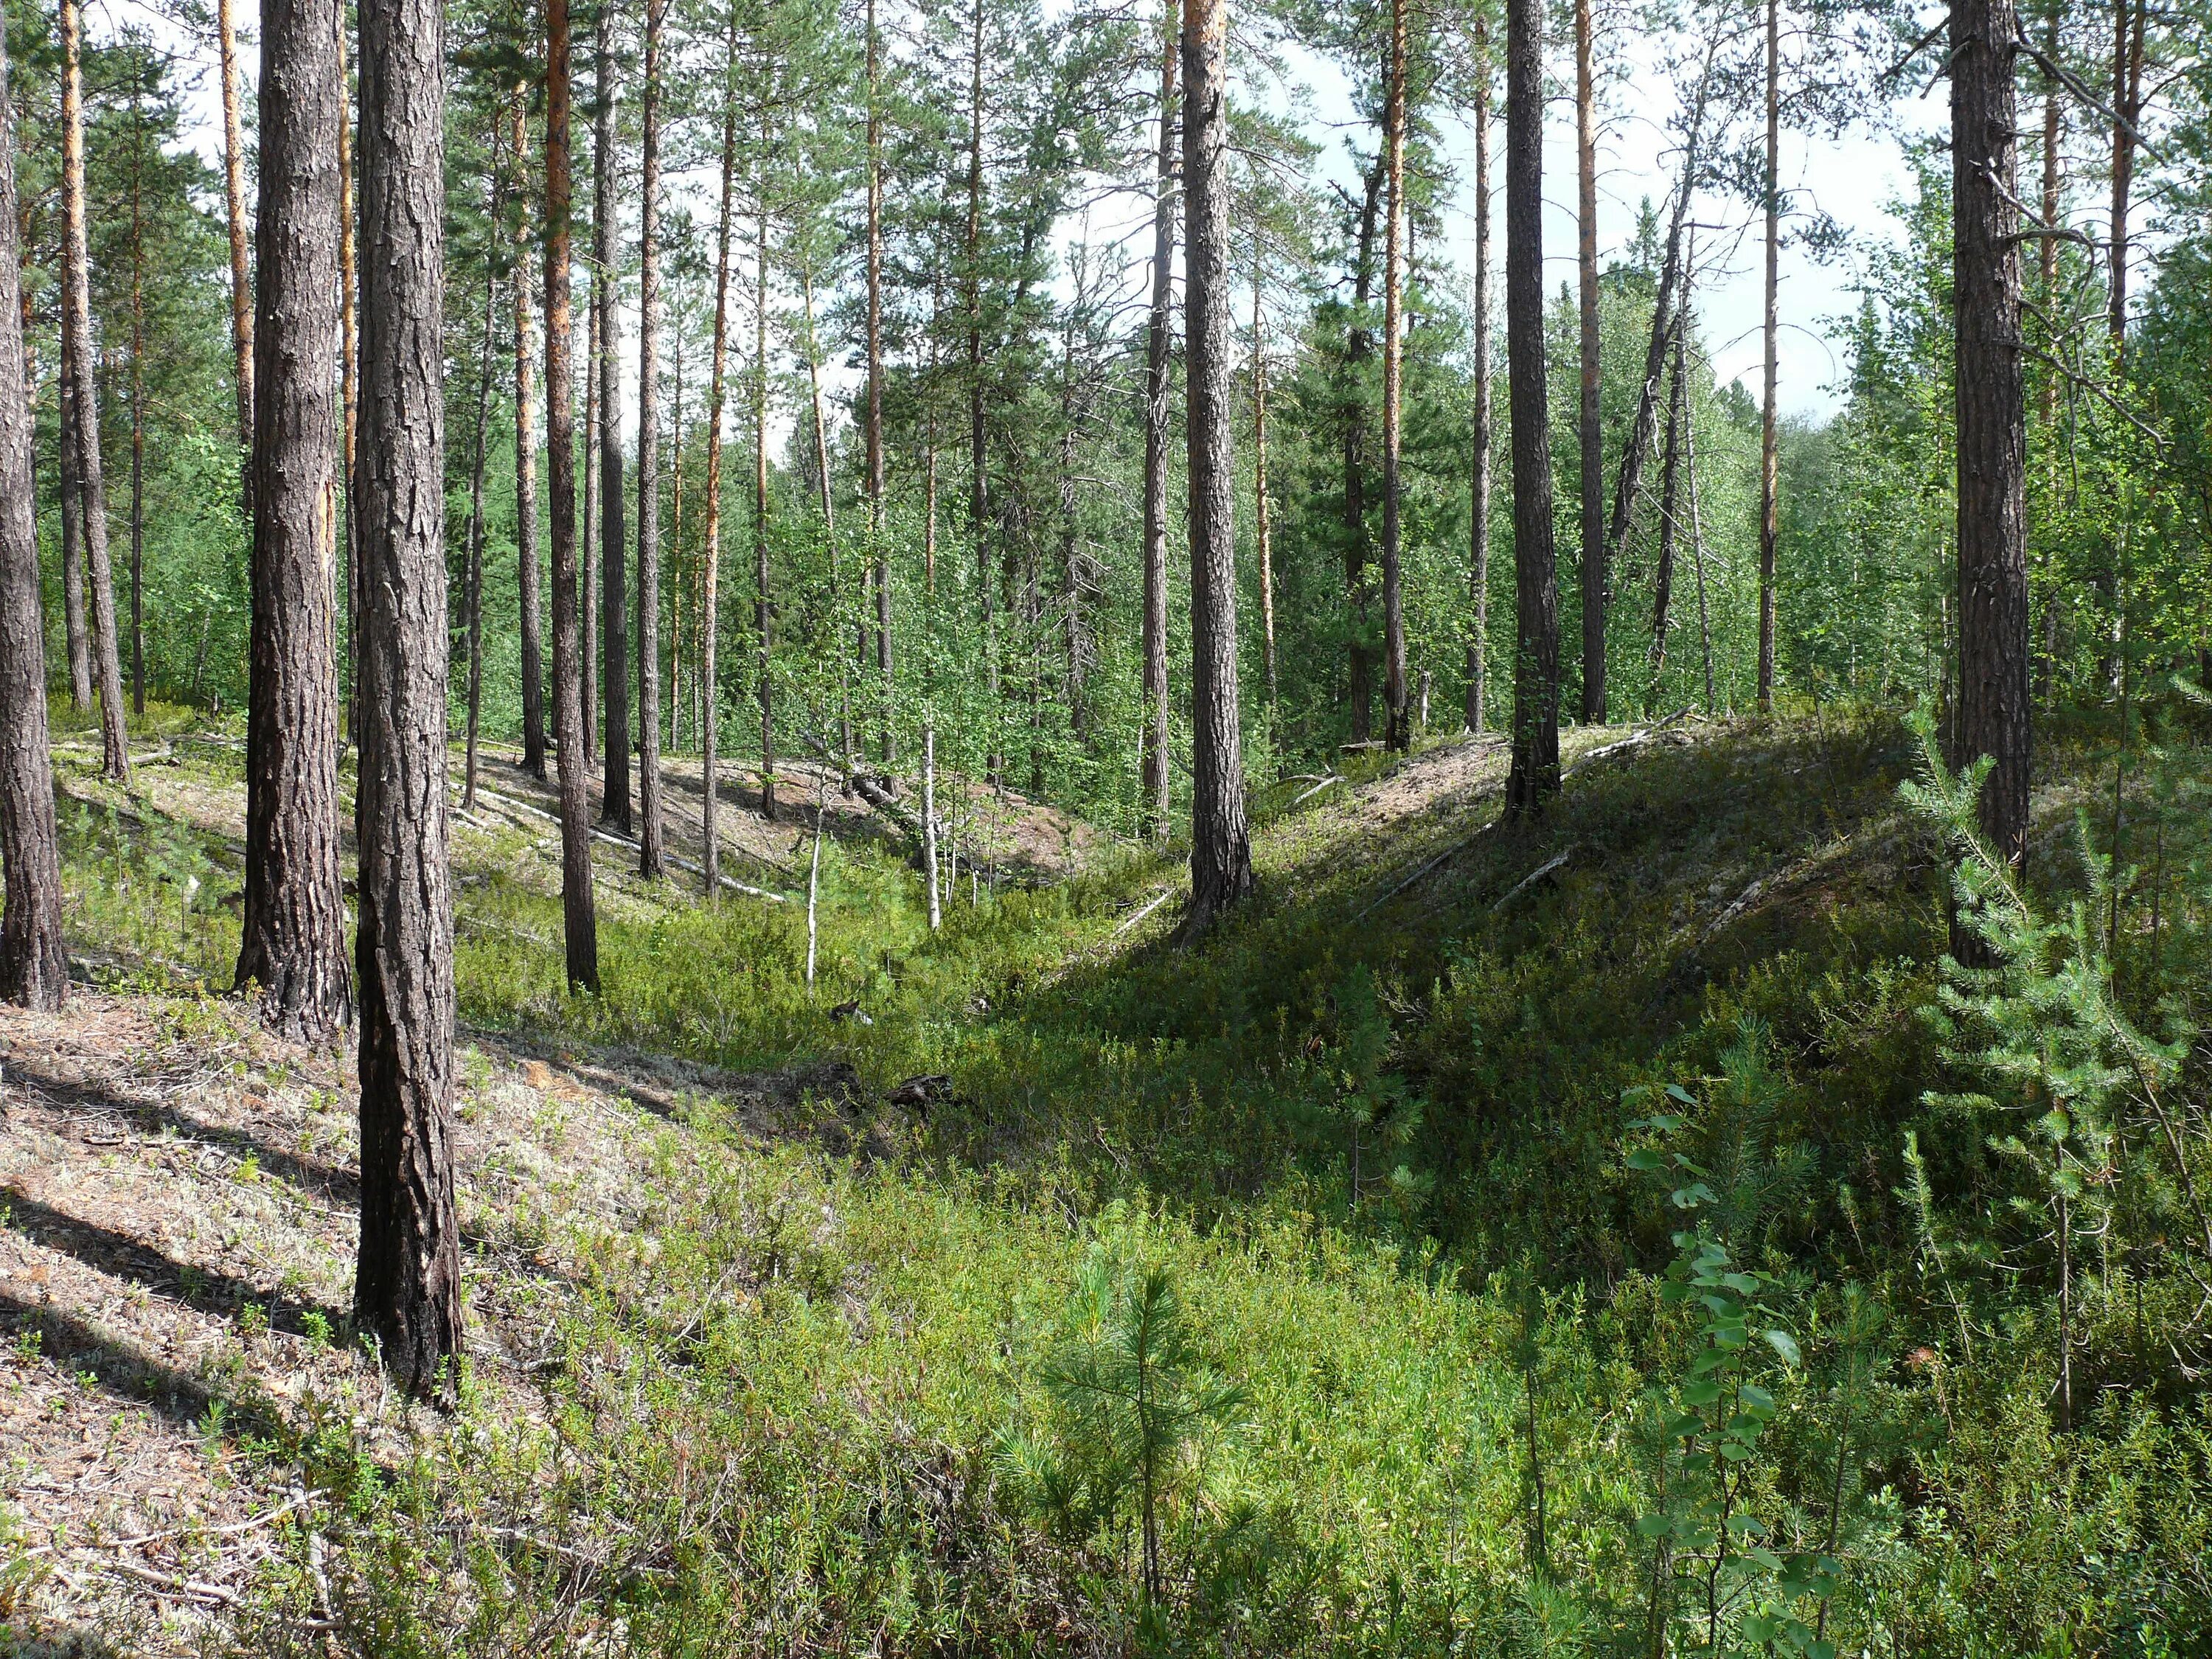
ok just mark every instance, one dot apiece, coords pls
pixel 1478 643
pixel 1535 772
pixel 1397 729
pixel 717 385
pixel 84 430
pixel 526 470
pixel 1991 416
pixel 407 1291
pixel 571 684
pixel 1596 594
pixel 1221 841
pixel 242 287
pixel 614 609
pixel 34 967
pixel 648 463
pixel 1769 433
pixel 292 943
pixel 78 631
pixel 1159 342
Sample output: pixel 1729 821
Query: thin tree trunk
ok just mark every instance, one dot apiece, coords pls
pixel 1154 753
pixel 1220 848
pixel 648 462
pixel 929 821
pixel 1262 519
pixel 407 1291
pixel 1670 473
pixel 710 625
pixel 888 746
pixel 1992 439
pixel 1698 545
pixel 1596 577
pixel 2129 18
pixel 77 307
pixel 587 529
pixel 1478 645
pixel 764 613
pixel 526 470
pixel 1359 346
pixel 1397 732
pixel 292 942
pixel 242 287
pixel 1769 434
pixel 571 635
pixel 472 622
pixel 614 621
pixel 828 501
pixel 978 488
pixel 2046 664
pixel 72 537
pixel 34 963
pixel 1535 772
pixel 137 402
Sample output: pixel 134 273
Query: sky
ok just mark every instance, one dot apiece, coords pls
pixel 1852 177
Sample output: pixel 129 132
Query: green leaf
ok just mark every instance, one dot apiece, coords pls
pixel 1758 1627
pixel 1735 1451
pixel 1783 1344
pixel 1645 1159
pixel 1656 1525
pixel 1700 1393
pixel 1675 1092
pixel 1747 1526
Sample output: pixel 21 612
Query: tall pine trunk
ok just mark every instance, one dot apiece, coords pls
pixel 1262 518
pixel 292 942
pixel 571 635
pixel 648 463
pixel 33 964
pixel 242 287
pixel 1588 432
pixel 473 620
pixel 2129 18
pixel 888 749
pixel 137 402
pixel 588 526
pixel 1769 431
pixel 614 619
pixel 76 312
pixel 1359 346
pixel 1670 479
pixel 1992 430
pixel 1398 730
pixel 348 390
pixel 710 626
pixel 526 471
pixel 1154 760
pixel 1220 841
pixel 763 610
pixel 979 481
pixel 1536 773
pixel 1478 644
pixel 78 630
pixel 407 1289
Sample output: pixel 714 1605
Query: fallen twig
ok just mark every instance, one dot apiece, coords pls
pixel 1534 876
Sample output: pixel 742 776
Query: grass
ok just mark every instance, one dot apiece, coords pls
pixel 1376 1129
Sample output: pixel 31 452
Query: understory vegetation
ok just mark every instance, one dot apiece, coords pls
pixel 1609 1235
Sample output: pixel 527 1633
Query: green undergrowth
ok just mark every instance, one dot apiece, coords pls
pixel 1417 1143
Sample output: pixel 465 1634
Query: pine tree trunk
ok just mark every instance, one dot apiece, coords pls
pixel 710 625
pixel 1220 842
pixel 978 485
pixel 473 620
pixel 648 463
pixel 571 635
pixel 292 943
pixel 1769 433
pixel 33 963
pixel 137 404
pixel 1397 731
pixel 588 528
pixel 72 537
pixel 875 392
pixel 348 390
pixel 525 473
pixel 1670 475
pixel 1991 414
pixel 76 308
pixel 242 287
pixel 2129 18
pixel 1359 346
pixel 764 614
pixel 1597 592
pixel 2046 662
pixel 614 619
pixel 1262 526
pixel 1153 757
pixel 407 1291
pixel 1536 773
pixel 1478 645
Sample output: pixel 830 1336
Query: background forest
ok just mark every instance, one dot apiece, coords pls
pixel 1735 1200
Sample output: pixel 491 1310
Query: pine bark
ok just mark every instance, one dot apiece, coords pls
pixel 137 404
pixel 77 310
pixel 473 620
pixel 1670 478
pixel 649 852
pixel 1359 346
pixel 1991 423
pixel 1397 729
pixel 407 1291
pixel 1535 770
pixel 79 631
pixel 614 617
pixel 588 526
pixel 1769 431
pixel 525 473
pixel 571 635
pixel 889 747
pixel 348 390
pixel 1220 849
pixel 1262 517
pixel 1597 592
pixel 717 382
pixel 1478 645
pixel 1154 751
pixel 33 964
pixel 979 481
pixel 2128 19
pixel 292 943
pixel 241 286
pixel 763 607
